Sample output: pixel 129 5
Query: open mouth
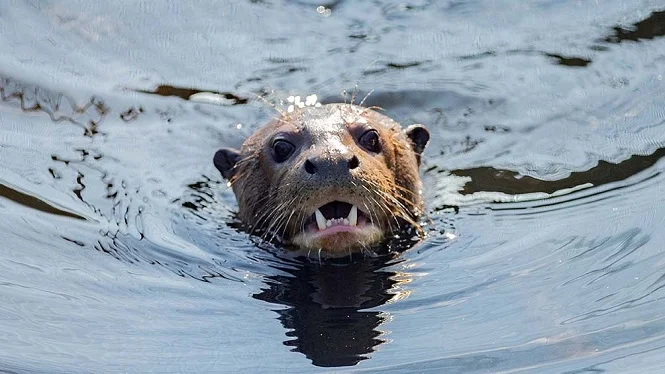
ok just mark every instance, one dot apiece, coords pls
pixel 337 228
pixel 337 216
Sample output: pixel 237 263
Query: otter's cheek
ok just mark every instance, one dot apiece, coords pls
pixel 340 242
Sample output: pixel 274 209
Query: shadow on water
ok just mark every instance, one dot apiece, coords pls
pixel 326 307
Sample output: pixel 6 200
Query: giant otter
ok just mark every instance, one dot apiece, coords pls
pixel 333 179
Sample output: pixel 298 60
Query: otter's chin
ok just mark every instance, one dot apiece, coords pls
pixel 339 240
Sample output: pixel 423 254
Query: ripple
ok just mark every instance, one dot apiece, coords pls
pixel 543 181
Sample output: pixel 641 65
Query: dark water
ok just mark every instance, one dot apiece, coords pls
pixel 543 181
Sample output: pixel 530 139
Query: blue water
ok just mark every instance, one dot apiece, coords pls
pixel 120 251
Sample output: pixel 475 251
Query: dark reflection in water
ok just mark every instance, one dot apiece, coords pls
pixel 649 28
pixel 34 202
pixel 326 307
pixel 187 93
pixel 569 61
pixel 510 182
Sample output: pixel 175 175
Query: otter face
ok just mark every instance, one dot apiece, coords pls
pixel 335 178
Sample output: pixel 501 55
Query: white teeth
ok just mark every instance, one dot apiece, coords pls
pixel 323 223
pixel 353 216
pixel 320 220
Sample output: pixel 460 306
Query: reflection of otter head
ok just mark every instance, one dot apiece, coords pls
pixel 331 179
pixel 326 315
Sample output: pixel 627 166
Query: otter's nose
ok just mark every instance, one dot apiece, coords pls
pixel 331 166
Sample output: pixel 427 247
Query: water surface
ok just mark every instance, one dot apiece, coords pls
pixel 543 181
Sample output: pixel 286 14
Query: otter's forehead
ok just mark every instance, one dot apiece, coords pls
pixel 330 122
pixel 329 116
pixel 332 119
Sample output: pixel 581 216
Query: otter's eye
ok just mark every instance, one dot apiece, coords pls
pixel 281 150
pixel 370 140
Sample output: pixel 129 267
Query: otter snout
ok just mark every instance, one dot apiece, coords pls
pixel 330 166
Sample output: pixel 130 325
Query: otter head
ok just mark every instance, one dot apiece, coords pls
pixel 332 179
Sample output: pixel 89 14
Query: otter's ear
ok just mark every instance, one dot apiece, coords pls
pixel 419 137
pixel 225 159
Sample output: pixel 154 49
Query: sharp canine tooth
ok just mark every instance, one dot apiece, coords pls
pixel 353 216
pixel 320 220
